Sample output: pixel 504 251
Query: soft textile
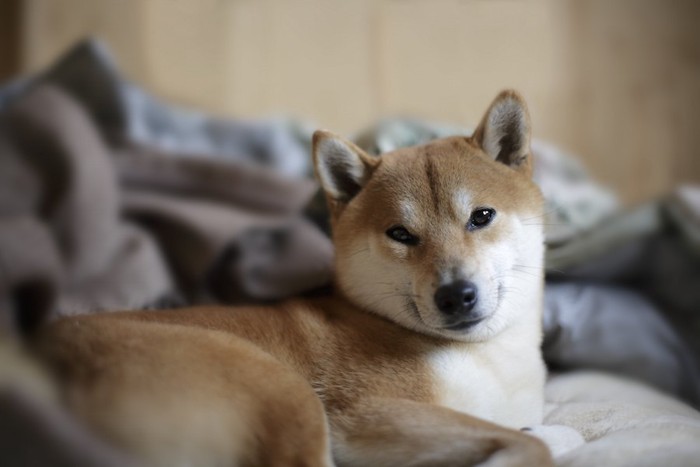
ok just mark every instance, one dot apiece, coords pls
pixel 88 227
pixel 624 423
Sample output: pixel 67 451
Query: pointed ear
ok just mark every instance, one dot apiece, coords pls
pixel 341 167
pixel 504 132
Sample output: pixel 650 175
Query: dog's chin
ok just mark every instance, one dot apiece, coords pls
pixel 474 330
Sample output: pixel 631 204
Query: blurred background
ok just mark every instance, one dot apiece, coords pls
pixel 616 83
pixel 156 153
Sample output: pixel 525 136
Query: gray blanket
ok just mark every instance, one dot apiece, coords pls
pixel 88 227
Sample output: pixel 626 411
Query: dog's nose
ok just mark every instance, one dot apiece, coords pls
pixel 459 297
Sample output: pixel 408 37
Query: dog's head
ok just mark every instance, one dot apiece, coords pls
pixel 445 238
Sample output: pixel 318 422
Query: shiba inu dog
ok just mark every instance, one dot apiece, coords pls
pixel 428 353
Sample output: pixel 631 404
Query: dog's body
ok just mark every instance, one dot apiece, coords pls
pixel 431 339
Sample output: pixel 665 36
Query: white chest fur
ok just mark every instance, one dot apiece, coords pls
pixel 500 381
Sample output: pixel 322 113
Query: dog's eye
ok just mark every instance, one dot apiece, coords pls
pixel 401 235
pixel 481 218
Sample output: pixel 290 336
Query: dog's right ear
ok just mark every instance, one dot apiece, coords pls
pixel 341 167
pixel 504 132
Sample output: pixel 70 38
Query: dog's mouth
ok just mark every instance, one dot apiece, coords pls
pixel 460 326
pixel 464 325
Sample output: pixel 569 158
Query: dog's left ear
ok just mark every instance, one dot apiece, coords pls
pixel 341 167
pixel 504 132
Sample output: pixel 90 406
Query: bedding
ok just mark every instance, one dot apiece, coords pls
pixel 624 423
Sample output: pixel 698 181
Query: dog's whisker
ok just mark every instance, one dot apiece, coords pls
pixel 527 266
pixel 529 273
pixel 558 271
pixel 539 216
pixel 542 268
pixel 544 224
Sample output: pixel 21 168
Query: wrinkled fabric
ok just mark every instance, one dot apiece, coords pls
pixel 31 273
pixel 630 335
pixel 125 113
pixel 653 255
pixel 624 423
pixel 60 211
pixel 221 253
pixel 87 227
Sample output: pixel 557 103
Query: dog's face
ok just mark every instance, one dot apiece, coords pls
pixel 446 238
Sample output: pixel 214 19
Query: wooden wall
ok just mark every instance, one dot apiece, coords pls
pixel 635 96
pixel 616 82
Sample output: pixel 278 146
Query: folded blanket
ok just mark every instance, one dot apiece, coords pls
pixel 61 208
pixel 88 227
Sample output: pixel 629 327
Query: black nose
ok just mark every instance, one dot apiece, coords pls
pixel 456 298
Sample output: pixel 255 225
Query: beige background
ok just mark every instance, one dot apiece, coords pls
pixel 617 82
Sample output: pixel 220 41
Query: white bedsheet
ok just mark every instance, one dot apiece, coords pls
pixel 624 423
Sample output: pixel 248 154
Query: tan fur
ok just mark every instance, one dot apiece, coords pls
pixel 369 371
